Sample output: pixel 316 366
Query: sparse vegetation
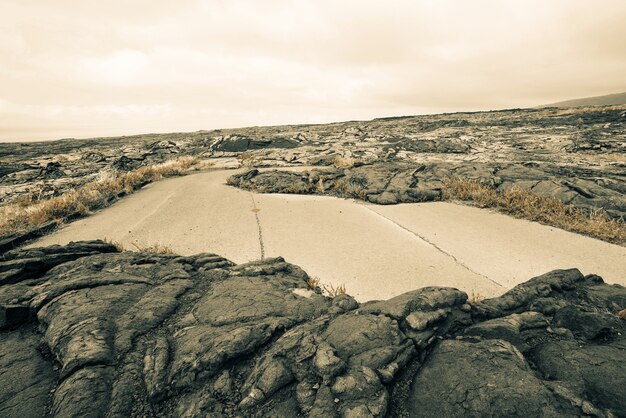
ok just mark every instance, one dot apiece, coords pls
pixel 299 187
pixel 320 185
pixel 25 216
pixel 116 244
pixel 344 162
pixel 333 291
pixel 233 181
pixel 517 202
pixel 249 160
pixel 547 210
pixel 313 283
pixel 157 248
pixel 349 188
pixel 34 195
pixel 475 297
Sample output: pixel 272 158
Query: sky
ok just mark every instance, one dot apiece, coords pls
pixel 86 68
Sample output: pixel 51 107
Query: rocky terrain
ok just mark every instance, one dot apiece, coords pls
pixel 576 154
pixel 89 331
pixel 388 183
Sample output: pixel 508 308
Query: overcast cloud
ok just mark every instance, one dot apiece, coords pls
pixel 80 68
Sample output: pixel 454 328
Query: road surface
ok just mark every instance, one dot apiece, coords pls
pixel 376 251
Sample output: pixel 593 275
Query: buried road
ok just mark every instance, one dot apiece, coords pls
pixel 376 251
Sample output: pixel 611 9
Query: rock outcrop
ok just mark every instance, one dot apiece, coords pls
pixel 87 330
pixel 396 182
pixel 238 143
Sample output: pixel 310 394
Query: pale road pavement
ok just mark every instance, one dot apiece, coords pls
pixel 376 251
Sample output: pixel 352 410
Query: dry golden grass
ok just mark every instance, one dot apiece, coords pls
pixel 313 283
pixel 249 160
pixel 295 188
pixel 24 216
pixel 547 210
pixel 156 248
pixel 344 162
pixel 320 185
pixel 333 291
pixel 347 188
pixel 116 244
pixel 622 314
pixel 233 181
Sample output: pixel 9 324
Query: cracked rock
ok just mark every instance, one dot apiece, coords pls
pixel 91 331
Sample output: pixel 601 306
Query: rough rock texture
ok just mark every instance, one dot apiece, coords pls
pixel 88 331
pixel 239 143
pixel 576 154
pixel 392 182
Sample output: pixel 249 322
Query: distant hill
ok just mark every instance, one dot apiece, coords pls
pixel 609 99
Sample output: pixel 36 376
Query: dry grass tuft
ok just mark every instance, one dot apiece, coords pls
pixel 344 162
pixel 475 297
pixel 313 283
pixel 116 244
pixel 233 181
pixel 249 160
pixel 157 248
pixel 622 314
pixel 333 291
pixel 296 188
pixel 351 189
pixel 469 190
pixel 547 210
pixel 25 216
pixel 320 185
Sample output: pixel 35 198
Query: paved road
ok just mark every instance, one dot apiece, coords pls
pixel 376 251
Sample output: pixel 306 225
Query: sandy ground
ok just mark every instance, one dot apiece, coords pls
pixel 376 251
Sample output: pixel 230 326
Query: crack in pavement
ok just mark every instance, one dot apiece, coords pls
pixel 256 211
pixel 435 246
pixel 157 208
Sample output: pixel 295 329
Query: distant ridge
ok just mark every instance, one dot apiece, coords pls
pixel 609 99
